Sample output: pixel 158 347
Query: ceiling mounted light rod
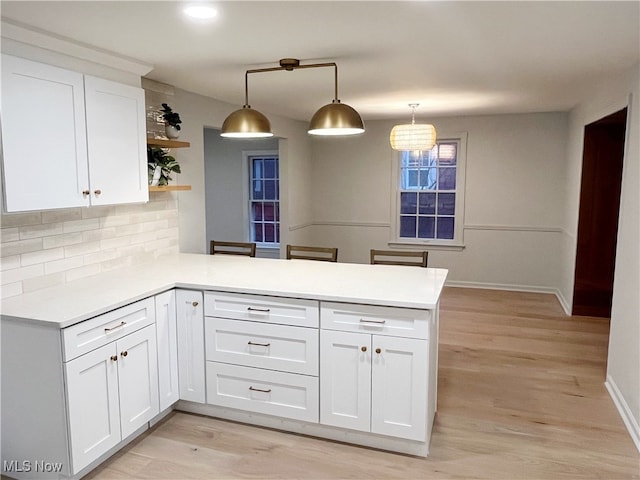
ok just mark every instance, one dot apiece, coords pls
pixel 333 119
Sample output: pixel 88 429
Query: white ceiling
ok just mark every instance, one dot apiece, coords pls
pixel 452 58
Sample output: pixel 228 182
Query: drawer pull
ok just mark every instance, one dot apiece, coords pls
pixel 124 354
pixel 114 358
pixel 364 349
pixel 194 304
pixel 377 322
pixel 253 389
pixel 122 324
pixel 258 344
pixel 378 350
pixel 261 310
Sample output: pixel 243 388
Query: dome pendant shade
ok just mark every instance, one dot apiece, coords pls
pixel 246 123
pixel 413 137
pixel 336 119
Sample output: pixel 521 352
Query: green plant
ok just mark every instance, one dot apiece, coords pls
pixel 171 117
pixel 157 157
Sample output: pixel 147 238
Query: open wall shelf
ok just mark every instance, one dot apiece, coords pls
pixel 168 188
pixel 162 143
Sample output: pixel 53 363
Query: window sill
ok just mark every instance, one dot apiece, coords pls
pixel 408 245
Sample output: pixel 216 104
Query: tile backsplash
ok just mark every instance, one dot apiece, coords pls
pixel 47 248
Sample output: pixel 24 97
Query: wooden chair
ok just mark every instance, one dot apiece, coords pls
pixel 387 257
pixel 326 254
pixel 233 248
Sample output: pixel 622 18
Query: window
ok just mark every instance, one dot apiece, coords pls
pixel 264 199
pixel 430 190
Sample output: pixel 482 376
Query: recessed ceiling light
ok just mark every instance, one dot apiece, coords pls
pixel 202 12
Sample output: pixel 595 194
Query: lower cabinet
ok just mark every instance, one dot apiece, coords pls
pixel 167 337
pixel 111 392
pixel 374 383
pixel 190 333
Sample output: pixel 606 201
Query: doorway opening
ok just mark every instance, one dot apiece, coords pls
pixel 602 160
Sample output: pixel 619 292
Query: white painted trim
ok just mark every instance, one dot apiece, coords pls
pixel 624 410
pixel 246 194
pixel 514 228
pixel 331 223
pixel 300 226
pixel 566 305
pixel 28 35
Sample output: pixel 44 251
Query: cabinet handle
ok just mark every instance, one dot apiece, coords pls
pixel 259 390
pixel 379 322
pixel 124 354
pixel 122 324
pixel 86 193
pixel 258 344
pixel 364 349
pixel 378 350
pixel 194 304
pixel 97 192
pixel 114 358
pixel 262 310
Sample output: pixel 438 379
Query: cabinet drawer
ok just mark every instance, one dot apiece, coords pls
pixel 285 311
pixel 263 391
pixel 399 322
pixel 263 345
pixel 95 332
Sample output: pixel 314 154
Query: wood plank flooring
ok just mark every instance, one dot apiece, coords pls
pixel 520 396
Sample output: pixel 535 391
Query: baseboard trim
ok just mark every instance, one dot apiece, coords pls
pixel 513 288
pixel 623 409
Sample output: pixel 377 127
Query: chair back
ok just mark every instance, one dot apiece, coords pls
pixel 326 254
pixel 233 248
pixel 399 257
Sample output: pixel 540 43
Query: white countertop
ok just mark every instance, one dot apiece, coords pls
pixel 79 300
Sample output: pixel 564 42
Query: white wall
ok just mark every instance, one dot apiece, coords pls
pixel 623 365
pixel 198 113
pixel 514 194
pixel 226 184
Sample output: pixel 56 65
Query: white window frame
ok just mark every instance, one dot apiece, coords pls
pixel 461 166
pixel 246 173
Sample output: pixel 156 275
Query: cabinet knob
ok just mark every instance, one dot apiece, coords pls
pixel 97 192
pixel 86 193
pixel 378 350
pixel 124 354
pixel 194 304
pixel 114 358
pixel 364 349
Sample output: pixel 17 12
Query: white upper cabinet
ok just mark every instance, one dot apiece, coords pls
pixel 70 140
pixel 43 136
pixel 116 142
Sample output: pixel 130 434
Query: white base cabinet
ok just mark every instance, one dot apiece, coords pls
pixel 111 392
pixel 167 336
pixel 190 333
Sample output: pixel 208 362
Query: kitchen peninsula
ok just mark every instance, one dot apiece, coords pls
pixel 341 351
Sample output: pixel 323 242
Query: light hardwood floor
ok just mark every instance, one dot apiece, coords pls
pixel 521 395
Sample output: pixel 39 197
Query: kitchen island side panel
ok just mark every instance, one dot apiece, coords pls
pixel 33 391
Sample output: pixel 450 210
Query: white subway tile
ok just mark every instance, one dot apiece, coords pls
pixel 92 235
pixel 98 211
pixel 81 225
pixel 101 256
pixel 21 219
pixel 130 251
pixel 21 246
pixel 64 215
pixel 8 263
pixel 81 249
pixel 128 229
pixel 144 237
pixel 42 256
pixel 62 240
pixel 36 231
pixel 81 272
pixel 10 234
pixel 19 274
pixel 38 283
pixel 115 242
pixel 114 221
pixel 11 289
pixel 62 265
pixel 115 264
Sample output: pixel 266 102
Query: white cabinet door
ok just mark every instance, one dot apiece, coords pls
pixel 43 136
pixel 137 379
pixel 167 349
pixel 191 366
pixel 399 375
pixel 345 379
pixel 93 407
pixel 116 142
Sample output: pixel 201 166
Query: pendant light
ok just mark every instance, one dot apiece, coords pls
pixel 411 137
pixel 335 118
